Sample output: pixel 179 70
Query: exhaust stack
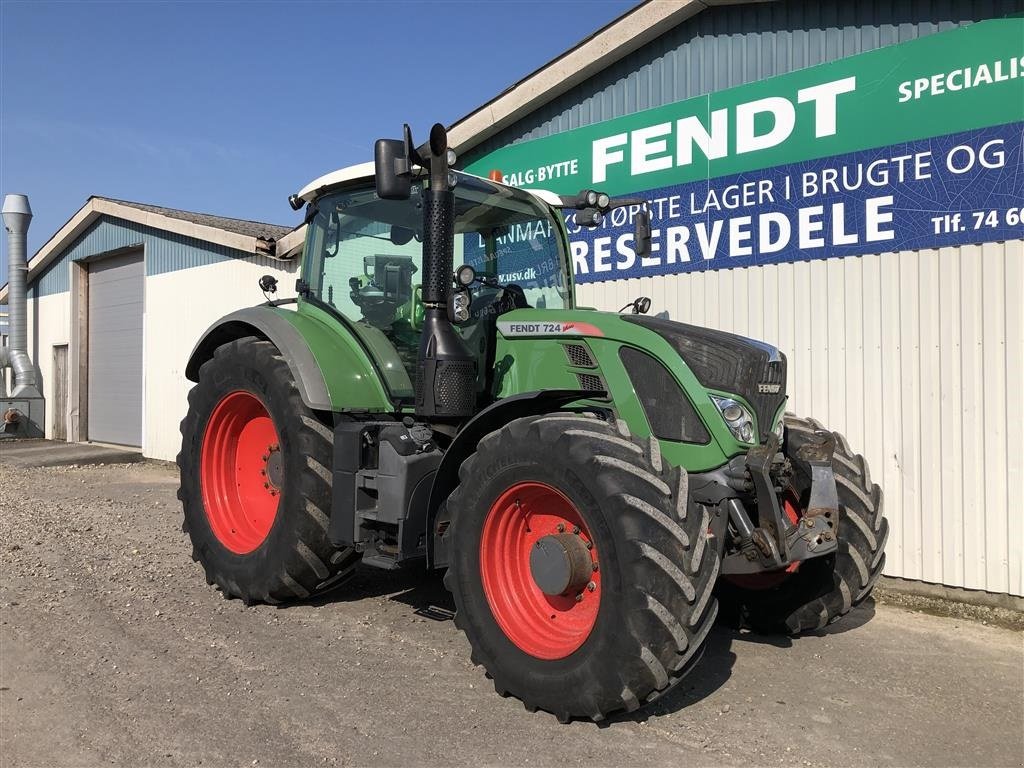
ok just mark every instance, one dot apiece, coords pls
pixel 445 370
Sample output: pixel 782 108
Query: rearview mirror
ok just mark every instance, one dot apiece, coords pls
pixel 391 169
pixel 642 232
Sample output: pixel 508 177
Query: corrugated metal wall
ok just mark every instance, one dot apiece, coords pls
pixel 727 46
pixel 915 356
pixel 918 358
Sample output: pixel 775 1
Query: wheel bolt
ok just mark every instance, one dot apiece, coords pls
pixel 263 471
pixel 590 545
pixel 579 598
pixel 595 566
pixel 576 530
pixel 591 586
pixel 561 527
pixel 265 457
pixel 266 485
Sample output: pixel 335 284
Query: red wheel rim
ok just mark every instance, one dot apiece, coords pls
pixel 769 579
pixel 240 472
pixel 545 626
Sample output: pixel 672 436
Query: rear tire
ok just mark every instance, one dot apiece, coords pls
pixel 823 589
pixel 644 625
pixel 260 537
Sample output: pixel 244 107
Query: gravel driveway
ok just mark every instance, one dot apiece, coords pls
pixel 114 650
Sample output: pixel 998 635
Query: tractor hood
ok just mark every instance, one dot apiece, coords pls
pixel 718 361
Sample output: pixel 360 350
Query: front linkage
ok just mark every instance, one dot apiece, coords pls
pixel 760 480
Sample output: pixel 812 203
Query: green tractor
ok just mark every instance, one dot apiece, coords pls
pixel 595 484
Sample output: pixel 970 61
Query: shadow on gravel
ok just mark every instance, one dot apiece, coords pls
pixel 715 668
pixel 414 586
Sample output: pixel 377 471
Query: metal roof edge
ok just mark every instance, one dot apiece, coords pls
pixel 97 206
pixel 613 42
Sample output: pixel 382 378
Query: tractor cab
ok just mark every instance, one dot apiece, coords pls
pixel 364 260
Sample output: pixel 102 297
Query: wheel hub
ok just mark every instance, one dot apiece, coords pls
pixel 274 467
pixel 560 564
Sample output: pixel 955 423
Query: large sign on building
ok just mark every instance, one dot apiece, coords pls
pixel 912 146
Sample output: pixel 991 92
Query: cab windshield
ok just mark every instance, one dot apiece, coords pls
pixel 364 258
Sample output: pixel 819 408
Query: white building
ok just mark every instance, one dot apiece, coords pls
pixel 118 297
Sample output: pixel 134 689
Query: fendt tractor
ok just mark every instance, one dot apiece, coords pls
pixel 594 484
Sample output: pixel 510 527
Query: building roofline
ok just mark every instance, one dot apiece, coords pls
pixel 613 42
pixel 95 207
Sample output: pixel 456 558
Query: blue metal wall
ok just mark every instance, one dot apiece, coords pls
pixel 726 46
pixel 165 252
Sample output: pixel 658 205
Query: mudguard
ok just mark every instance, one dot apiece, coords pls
pixel 332 372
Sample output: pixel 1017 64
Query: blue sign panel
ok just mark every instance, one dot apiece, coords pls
pixel 949 190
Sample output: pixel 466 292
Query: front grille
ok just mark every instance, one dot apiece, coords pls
pixel 729 363
pixel 579 356
pixel 669 411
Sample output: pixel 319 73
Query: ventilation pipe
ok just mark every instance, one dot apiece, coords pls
pixel 17 216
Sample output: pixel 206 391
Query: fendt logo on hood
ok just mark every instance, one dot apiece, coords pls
pixel 556 328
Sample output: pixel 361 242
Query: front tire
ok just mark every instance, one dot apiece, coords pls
pixel 612 640
pixel 255 468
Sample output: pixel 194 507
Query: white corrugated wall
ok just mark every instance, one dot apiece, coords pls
pixel 918 358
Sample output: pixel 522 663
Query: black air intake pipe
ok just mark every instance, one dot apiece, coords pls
pixel 445 369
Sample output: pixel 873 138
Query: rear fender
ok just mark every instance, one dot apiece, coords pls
pixel 350 384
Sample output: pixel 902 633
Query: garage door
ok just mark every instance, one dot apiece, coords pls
pixel 115 349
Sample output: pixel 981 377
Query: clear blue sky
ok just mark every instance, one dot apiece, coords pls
pixel 228 107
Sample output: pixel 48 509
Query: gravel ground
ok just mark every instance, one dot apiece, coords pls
pixel 114 650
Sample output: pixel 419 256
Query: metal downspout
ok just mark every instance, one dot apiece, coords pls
pixel 5 362
pixel 17 216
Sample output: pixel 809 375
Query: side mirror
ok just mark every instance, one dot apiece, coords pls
pixel 642 233
pixel 391 169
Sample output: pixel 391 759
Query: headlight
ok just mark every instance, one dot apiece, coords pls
pixel 737 419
